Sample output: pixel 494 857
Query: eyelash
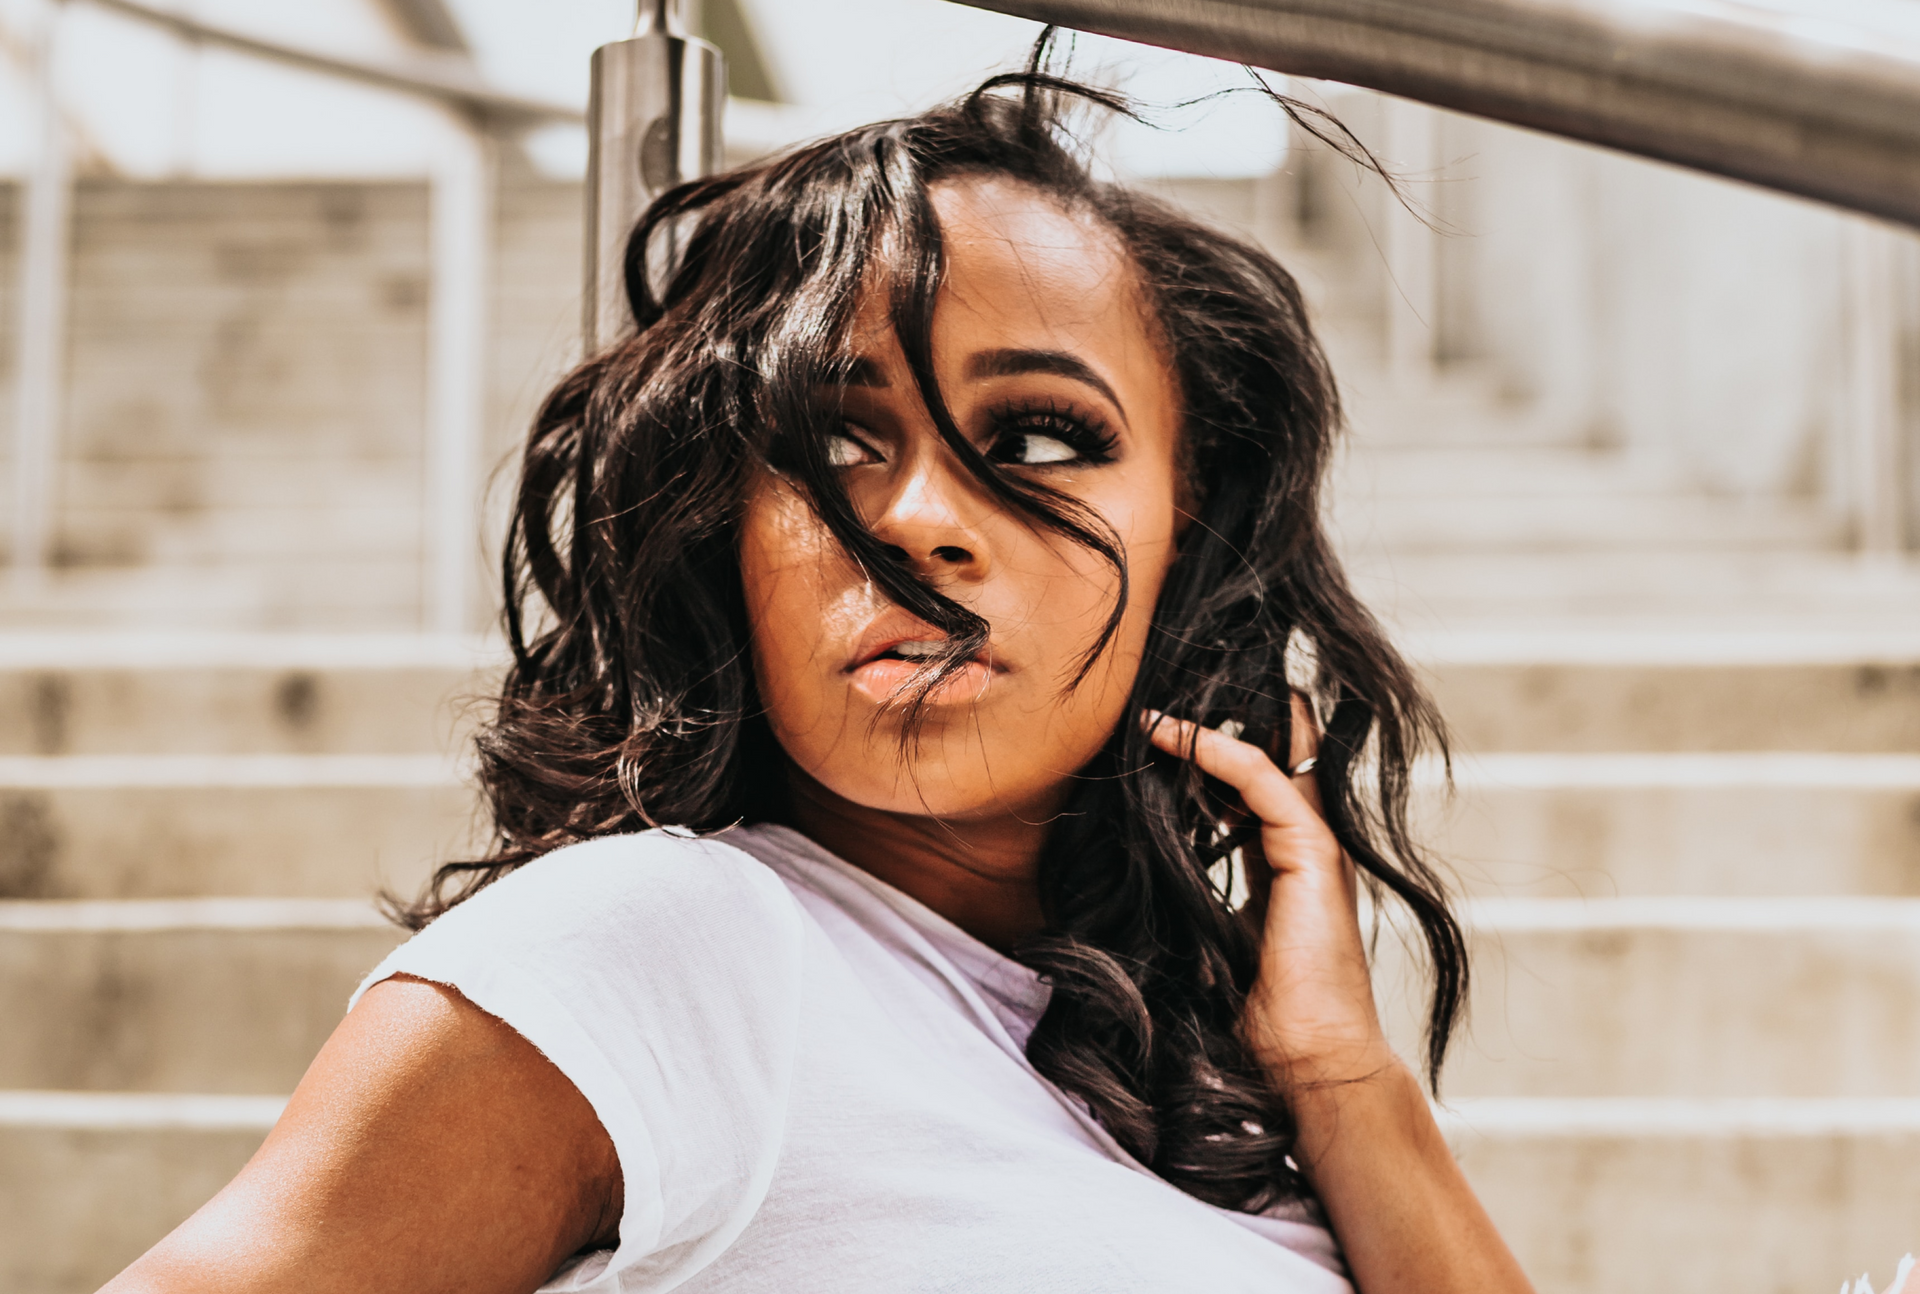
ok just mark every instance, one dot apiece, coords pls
pixel 1084 433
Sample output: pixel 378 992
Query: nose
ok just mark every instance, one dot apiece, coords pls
pixel 929 522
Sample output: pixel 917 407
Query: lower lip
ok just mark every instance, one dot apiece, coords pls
pixel 886 681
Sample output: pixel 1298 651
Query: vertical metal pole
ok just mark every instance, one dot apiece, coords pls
pixel 1413 294
pixel 460 240
pixel 189 66
pixel 40 339
pixel 1873 393
pixel 653 121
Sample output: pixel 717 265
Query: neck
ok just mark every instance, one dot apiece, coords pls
pixel 981 874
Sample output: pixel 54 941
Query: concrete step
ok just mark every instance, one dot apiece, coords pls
pixel 236 347
pixel 1538 688
pixel 1542 825
pixel 1596 1197
pixel 316 593
pixel 1705 997
pixel 1519 825
pixel 1458 409
pixel 1735 824
pixel 178 826
pixel 1477 474
pixel 1659 590
pixel 1643 997
pixel 1599 1197
pixel 241 508
pixel 1441 468
pixel 1579 690
pixel 87 694
pixel 1703 586
pixel 318 536
pixel 252 478
pixel 1553 522
pixel 88 1182
pixel 206 995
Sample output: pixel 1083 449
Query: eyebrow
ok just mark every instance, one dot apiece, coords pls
pixel 862 371
pixel 1060 363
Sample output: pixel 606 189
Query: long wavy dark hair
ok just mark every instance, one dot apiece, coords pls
pixel 631 700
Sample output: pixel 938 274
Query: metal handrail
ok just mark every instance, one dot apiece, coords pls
pixel 450 79
pixel 1802 108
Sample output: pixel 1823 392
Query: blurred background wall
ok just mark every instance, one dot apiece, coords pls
pixel 1633 471
pixel 241 435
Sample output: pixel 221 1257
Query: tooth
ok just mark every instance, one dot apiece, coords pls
pixel 919 650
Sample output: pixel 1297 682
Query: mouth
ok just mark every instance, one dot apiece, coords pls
pixel 918 651
pixel 883 668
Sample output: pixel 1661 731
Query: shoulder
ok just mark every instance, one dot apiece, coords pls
pixel 661 974
pixel 649 885
pixel 656 905
pixel 646 868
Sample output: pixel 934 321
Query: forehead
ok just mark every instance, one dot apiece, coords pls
pixel 1009 238
pixel 1024 267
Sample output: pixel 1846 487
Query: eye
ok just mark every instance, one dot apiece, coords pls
pixel 1048 435
pixel 844 449
pixel 1032 448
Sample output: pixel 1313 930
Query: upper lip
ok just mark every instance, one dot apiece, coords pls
pixel 888 632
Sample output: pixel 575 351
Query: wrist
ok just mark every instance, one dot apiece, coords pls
pixel 1381 1110
pixel 1328 1057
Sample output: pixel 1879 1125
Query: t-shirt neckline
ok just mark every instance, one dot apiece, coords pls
pixel 1002 980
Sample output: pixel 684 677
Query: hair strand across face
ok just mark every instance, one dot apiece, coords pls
pixel 630 701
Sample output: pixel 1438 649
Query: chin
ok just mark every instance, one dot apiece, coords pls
pixel 955 790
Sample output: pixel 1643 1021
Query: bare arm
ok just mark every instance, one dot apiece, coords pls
pixel 1402 1209
pixel 429 1147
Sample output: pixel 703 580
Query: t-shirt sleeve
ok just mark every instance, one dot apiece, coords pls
pixel 661 975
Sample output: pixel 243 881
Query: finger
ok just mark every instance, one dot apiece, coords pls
pixel 1170 735
pixel 1306 746
pixel 1306 733
pixel 1266 791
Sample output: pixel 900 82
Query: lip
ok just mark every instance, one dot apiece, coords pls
pixel 890 630
pixel 880 678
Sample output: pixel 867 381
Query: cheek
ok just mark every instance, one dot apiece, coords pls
pixel 1143 513
pixel 1068 611
pixel 787 575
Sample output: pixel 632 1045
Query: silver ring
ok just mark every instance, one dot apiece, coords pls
pixel 1304 767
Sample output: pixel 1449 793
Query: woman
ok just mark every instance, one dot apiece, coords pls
pixel 896 887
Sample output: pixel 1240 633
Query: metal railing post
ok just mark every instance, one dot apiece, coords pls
pixel 653 121
pixel 460 250
pixel 1878 484
pixel 40 339
pixel 461 189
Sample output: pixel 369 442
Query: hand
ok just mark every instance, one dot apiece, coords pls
pixel 1404 1213
pixel 1310 1016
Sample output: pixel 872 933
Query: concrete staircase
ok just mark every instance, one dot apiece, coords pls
pixel 1695 1043
pixel 1479 518
pixel 1696 1038
pixel 1688 819
pixel 243 447
pixel 193 829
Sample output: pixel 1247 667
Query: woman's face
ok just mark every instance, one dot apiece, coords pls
pixel 1047 358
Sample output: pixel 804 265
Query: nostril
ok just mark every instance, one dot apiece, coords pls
pixel 948 553
pixel 895 553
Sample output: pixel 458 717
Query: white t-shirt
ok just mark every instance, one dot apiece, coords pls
pixel 815 1083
